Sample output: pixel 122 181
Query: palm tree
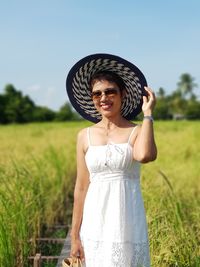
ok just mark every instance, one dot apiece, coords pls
pixel 186 85
pixel 161 93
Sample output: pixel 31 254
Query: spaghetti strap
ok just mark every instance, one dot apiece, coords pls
pixel 132 133
pixel 88 135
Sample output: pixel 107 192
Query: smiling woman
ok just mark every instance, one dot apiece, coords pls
pixel 113 85
pixel 109 226
pixel 106 96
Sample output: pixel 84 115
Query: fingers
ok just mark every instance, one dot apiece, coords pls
pixel 82 255
pixel 149 91
pixel 144 99
pixel 78 253
pixel 149 100
pixel 74 253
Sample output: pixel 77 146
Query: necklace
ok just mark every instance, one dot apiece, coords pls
pixel 111 147
pixel 108 132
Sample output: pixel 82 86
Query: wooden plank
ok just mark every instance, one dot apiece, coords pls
pixel 65 250
pixel 37 260
pixel 46 258
pixel 51 240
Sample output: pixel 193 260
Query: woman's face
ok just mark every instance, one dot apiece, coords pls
pixel 107 98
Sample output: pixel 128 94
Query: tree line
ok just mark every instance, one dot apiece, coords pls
pixel 18 108
pixel 181 103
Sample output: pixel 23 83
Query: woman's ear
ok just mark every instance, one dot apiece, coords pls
pixel 123 94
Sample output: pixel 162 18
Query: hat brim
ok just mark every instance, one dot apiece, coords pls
pixel 78 89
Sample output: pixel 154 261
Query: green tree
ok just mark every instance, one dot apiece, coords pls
pixel 3 118
pixel 177 103
pixel 162 111
pixel 10 91
pixel 43 114
pixel 186 85
pixel 161 93
pixel 27 109
pixel 18 108
pixel 66 113
pixel 193 110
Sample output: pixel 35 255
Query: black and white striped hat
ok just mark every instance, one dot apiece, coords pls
pixel 78 89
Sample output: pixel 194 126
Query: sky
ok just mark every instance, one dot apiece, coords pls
pixel 41 40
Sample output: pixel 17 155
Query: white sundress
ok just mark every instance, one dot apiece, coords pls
pixel 114 229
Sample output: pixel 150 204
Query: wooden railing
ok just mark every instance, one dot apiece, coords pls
pixel 39 258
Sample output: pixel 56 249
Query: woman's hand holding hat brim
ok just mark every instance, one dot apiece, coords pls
pixel 149 102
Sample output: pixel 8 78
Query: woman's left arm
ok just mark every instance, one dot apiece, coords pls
pixel 145 147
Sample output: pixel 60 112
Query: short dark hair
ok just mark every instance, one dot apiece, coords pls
pixel 108 76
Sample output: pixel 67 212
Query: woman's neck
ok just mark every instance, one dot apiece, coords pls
pixel 112 123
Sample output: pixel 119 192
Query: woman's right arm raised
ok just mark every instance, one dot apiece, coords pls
pixel 81 187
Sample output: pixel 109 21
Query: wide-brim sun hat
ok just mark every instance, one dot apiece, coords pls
pixel 79 92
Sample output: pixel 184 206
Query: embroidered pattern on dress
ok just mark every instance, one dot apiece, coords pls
pixel 123 254
pixel 110 149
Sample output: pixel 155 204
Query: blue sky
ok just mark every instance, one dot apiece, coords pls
pixel 41 40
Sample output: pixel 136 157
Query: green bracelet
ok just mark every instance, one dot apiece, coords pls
pixel 148 118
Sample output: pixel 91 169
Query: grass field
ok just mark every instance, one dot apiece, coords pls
pixel 37 171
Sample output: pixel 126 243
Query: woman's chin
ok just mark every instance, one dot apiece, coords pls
pixel 108 114
pixel 106 108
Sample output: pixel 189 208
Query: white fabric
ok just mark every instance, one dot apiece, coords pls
pixel 114 229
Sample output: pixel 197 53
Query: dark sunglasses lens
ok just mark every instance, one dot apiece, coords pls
pixel 96 94
pixel 111 92
pixel 107 92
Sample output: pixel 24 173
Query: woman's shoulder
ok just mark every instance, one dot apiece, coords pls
pixel 82 139
pixel 136 128
pixel 82 133
pixel 132 125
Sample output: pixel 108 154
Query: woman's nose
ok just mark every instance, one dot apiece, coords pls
pixel 103 96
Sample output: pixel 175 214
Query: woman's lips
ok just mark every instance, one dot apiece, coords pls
pixel 106 106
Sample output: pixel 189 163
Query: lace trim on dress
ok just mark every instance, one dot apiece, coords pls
pixel 121 254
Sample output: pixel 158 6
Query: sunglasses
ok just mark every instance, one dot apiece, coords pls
pixel 109 92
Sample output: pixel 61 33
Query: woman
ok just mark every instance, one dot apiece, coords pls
pixel 108 224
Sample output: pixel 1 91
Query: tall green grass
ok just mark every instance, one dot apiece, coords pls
pixel 171 189
pixel 37 171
